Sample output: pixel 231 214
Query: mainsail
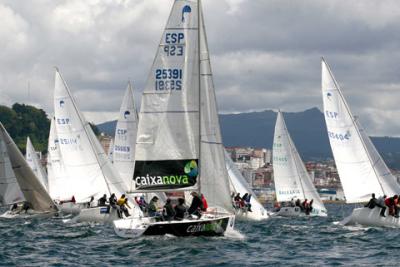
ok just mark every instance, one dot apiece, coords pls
pixel 290 175
pixel 88 167
pixel 361 169
pixel 125 137
pixel 59 183
pixel 34 162
pixel 9 189
pixel 33 190
pixel 167 146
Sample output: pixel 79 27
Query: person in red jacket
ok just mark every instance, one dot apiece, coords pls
pixel 205 204
pixel 390 203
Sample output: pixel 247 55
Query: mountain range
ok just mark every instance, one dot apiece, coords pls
pixel 307 129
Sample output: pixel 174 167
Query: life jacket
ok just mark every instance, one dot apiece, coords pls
pixel 121 201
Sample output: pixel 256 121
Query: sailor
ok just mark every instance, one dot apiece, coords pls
pixel 26 206
pixel 381 203
pixel 123 204
pixel 304 205
pixel 396 206
pixel 247 202
pixel 277 206
pixel 113 204
pixel 372 202
pixel 168 212
pixel 391 203
pixel 180 209
pixel 14 207
pixel 196 206
pixel 102 201
pixel 153 207
pixel 205 204
pixel 297 203
pixel 237 199
pixel 292 202
pixel 90 203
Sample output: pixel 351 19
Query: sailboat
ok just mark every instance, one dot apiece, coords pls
pixel 10 193
pixel 34 192
pixel 291 178
pixel 34 162
pixel 361 169
pixel 239 185
pixel 90 172
pixel 123 148
pixel 178 145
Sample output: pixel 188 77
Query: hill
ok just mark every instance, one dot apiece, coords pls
pixel 307 129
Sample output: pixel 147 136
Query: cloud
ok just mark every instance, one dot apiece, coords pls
pixel 264 54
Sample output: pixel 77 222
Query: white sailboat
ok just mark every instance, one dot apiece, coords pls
pixel 34 162
pixel 290 175
pixel 361 169
pixel 123 148
pixel 239 185
pixel 10 192
pixel 34 192
pixel 90 172
pixel 179 144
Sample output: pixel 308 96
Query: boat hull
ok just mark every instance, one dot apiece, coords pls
pixel 207 226
pixel 251 216
pixel 96 214
pixel 371 217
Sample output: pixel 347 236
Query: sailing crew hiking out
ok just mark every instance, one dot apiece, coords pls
pixel 304 206
pixel 123 205
pixel 373 202
pixel 241 203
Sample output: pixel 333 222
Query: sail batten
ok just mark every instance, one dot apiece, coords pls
pixel 361 169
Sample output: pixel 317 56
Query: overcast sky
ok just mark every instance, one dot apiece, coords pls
pixel 265 54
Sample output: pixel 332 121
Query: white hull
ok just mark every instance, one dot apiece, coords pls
pixel 70 208
pixel 96 214
pixel 30 214
pixel 371 217
pixel 253 216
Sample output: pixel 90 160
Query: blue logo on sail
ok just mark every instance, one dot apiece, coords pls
pixel 62 103
pixel 185 9
pixel 126 114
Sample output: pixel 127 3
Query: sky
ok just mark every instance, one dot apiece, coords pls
pixel 265 54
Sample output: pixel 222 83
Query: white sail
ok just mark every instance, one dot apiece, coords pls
pixel 9 189
pixel 34 162
pixel 290 175
pixel 239 185
pixel 125 137
pixel 84 159
pixel 110 152
pixel 214 178
pixel 33 190
pixel 167 146
pixel 59 182
pixel 360 167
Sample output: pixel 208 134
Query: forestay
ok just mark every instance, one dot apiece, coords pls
pixel 34 162
pixel 31 187
pixel 59 183
pixel 84 159
pixel 167 147
pixel 125 137
pixel 360 167
pixel 292 180
pixel 9 189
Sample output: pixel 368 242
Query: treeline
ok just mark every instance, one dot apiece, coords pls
pixel 23 120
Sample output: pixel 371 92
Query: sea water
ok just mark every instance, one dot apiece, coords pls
pixel 274 242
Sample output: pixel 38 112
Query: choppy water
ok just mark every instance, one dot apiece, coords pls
pixel 275 242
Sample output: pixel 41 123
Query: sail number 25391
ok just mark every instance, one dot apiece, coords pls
pixel 168 79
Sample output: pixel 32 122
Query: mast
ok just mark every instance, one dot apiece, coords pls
pixel 199 81
pixel 354 123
